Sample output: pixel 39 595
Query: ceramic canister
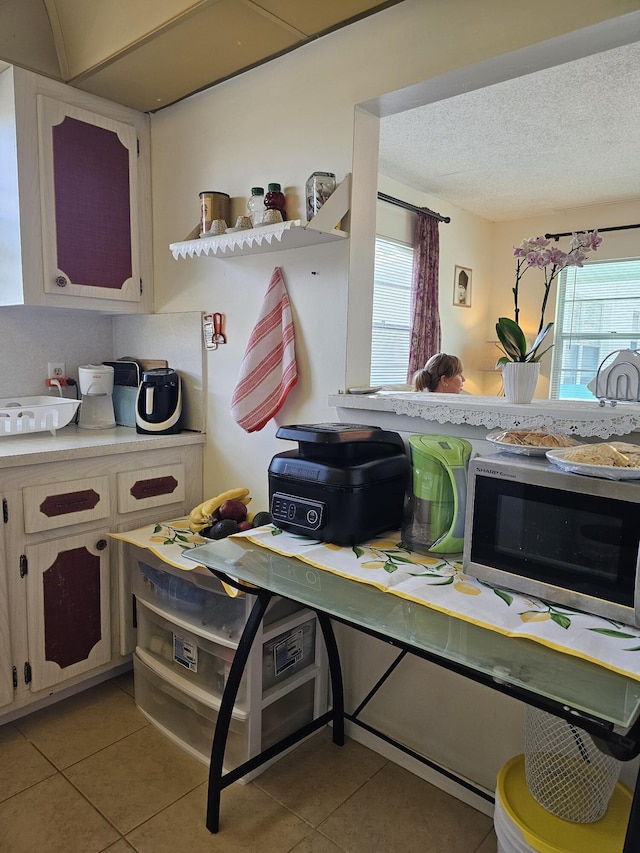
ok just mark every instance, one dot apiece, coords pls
pixel 213 205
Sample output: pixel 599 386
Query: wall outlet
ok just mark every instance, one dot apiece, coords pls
pixel 56 370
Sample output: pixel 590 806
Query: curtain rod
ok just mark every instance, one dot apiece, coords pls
pixel 412 207
pixel 600 231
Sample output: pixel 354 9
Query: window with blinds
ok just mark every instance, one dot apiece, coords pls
pixel 597 312
pixel 391 326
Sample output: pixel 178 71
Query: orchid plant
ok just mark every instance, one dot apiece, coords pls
pixel 538 253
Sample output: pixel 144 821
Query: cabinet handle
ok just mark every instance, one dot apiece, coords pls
pixel 62 281
pixel 101 544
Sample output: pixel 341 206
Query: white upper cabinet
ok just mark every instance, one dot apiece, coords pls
pixel 76 214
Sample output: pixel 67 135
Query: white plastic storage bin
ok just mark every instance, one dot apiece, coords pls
pixel 197 596
pixel 288 653
pixel 201 660
pixel 185 715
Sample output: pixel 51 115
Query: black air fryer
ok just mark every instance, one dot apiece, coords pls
pixel 159 402
pixel 345 483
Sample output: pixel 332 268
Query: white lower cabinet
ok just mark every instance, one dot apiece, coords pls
pixel 65 619
pixel 188 629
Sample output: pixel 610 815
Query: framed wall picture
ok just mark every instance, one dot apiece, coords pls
pixel 462 287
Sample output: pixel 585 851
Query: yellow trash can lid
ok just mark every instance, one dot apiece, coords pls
pixel 547 833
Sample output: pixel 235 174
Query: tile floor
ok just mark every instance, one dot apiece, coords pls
pixel 91 774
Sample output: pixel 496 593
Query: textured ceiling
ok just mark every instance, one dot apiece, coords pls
pixel 561 138
pixel 147 54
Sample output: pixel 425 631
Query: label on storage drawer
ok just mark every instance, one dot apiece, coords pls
pixel 287 652
pixel 185 652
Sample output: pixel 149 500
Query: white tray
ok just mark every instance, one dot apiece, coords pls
pixel 22 415
pixel 607 472
pixel 522 449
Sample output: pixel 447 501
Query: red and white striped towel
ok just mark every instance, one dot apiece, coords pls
pixel 268 370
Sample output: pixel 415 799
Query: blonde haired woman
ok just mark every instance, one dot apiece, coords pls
pixel 441 374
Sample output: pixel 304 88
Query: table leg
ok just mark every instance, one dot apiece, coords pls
pixel 226 707
pixel 632 838
pixel 335 671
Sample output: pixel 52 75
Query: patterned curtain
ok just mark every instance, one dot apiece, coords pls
pixel 425 317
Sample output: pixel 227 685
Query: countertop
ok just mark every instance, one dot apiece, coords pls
pixel 75 443
pixel 580 418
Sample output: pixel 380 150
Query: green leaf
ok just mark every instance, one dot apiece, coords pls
pixel 276 531
pixel 542 334
pixel 608 632
pixel 540 354
pixel 634 649
pixel 358 551
pixel 508 599
pixel 425 575
pixel 399 558
pixel 390 567
pixel 512 338
pixel 157 528
pixel 561 620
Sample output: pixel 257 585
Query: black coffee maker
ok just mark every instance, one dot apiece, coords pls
pixel 159 402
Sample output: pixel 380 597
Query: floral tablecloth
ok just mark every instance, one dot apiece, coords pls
pixel 169 540
pixel 440 584
pixel 436 582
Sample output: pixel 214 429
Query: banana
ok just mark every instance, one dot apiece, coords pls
pixel 203 512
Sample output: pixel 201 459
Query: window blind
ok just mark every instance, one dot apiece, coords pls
pixel 391 325
pixel 597 312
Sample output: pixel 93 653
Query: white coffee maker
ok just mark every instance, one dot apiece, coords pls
pixel 96 388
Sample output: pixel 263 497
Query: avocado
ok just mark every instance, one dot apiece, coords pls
pixel 222 529
pixel 261 518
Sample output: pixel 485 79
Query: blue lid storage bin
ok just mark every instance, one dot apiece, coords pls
pixel 198 597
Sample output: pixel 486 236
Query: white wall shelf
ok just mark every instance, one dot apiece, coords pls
pixel 292 234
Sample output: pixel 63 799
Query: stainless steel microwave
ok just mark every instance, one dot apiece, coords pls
pixel 566 538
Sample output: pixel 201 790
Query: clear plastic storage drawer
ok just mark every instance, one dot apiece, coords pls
pixel 198 597
pixel 185 719
pixel 188 654
pixel 288 714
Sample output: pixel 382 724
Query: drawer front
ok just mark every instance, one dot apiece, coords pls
pixel 196 659
pixel 204 608
pixel 61 504
pixel 151 487
pixel 182 717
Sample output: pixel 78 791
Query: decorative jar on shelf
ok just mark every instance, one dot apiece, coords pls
pixel 318 188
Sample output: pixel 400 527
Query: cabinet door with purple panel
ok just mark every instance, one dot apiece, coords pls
pixel 88 174
pixel 68 607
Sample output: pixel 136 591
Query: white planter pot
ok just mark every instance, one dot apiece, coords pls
pixel 520 380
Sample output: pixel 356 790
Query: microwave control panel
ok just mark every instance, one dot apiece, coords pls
pixel 302 512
